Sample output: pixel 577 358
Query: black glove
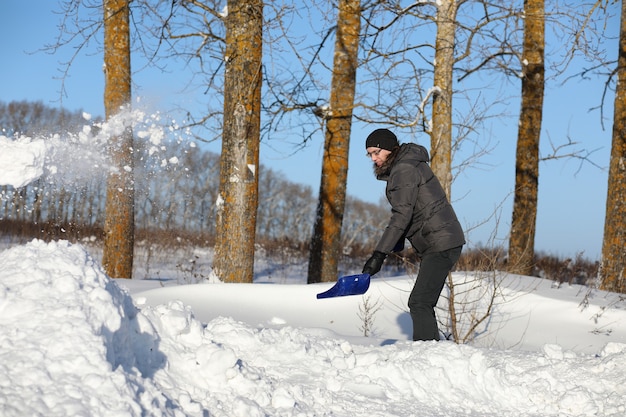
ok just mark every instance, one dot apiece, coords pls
pixel 374 263
pixel 399 246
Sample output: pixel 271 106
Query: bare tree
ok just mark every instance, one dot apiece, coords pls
pixel 237 210
pixel 326 241
pixel 613 266
pixel 119 225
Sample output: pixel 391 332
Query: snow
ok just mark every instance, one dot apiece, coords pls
pixel 22 160
pixel 75 342
pixel 71 156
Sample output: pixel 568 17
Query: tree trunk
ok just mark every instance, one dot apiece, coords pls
pixel 237 206
pixel 441 135
pixel 326 241
pixel 119 226
pixel 522 240
pixel 613 267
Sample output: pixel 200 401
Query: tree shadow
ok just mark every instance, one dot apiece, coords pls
pixel 128 346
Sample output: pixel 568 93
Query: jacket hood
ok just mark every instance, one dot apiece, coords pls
pixel 412 153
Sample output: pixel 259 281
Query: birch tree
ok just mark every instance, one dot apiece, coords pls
pixel 238 191
pixel 613 265
pixel 326 240
pixel 522 240
pixel 117 257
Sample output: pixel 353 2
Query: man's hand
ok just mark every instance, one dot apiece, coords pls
pixel 374 263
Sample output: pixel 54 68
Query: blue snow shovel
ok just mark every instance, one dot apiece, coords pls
pixel 348 285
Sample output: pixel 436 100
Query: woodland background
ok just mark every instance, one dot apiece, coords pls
pixel 175 213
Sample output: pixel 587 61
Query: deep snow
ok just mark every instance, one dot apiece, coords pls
pixel 75 342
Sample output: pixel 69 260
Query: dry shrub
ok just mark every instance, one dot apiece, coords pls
pixel 481 259
pixel 20 232
pixel 572 271
pixel 284 245
pixel 174 239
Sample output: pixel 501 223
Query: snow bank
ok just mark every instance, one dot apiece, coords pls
pixel 71 341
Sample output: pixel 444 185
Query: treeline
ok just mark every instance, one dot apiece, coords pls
pixel 176 191
pixel 36 118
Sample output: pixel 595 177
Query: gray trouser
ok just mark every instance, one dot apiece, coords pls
pixel 434 269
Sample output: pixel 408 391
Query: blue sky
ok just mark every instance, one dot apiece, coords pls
pixel 572 196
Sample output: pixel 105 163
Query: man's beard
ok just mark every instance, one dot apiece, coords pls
pixel 386 166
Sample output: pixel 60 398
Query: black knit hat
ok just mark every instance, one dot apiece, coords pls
pixel 383 139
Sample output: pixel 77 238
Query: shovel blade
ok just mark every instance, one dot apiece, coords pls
pixel 348 285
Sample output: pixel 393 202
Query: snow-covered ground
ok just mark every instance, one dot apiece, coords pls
pixel 74 342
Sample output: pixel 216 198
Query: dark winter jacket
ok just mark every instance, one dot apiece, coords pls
pixel 420 211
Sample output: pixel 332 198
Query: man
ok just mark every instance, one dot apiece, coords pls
pixel 421 213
